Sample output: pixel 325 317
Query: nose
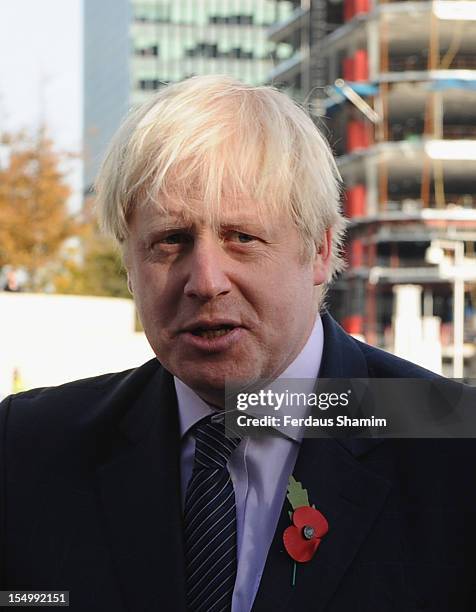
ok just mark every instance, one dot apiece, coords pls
pixel 207 277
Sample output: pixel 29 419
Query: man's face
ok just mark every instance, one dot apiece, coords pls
pixel 230 304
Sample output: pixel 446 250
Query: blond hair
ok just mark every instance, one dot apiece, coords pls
pixel 210 137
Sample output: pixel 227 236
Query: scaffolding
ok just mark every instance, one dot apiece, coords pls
pixel 399 82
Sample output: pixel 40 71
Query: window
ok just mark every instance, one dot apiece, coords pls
pixel 232 19
pixel 149 84
pixel 203 50
pixel 152 13
pixel 152 51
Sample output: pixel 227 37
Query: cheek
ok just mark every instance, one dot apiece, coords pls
pixel 297 286
pixel 151 296
pixel 289 302
pixel 154 282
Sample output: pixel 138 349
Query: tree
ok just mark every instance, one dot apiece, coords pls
pixel 95 266
pixel 34 218
pixel 100 271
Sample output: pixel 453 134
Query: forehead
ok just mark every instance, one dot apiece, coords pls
pixel 195 212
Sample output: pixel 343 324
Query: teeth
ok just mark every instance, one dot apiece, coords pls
pixel 211 333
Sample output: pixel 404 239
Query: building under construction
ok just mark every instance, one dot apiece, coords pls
pixel 394 84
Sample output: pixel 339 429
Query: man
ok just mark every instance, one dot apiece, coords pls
pixel 124 490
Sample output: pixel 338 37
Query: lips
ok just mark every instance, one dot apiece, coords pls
pixel 210 329
pixel 212 335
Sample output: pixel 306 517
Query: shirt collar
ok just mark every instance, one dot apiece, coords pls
pixel 306 367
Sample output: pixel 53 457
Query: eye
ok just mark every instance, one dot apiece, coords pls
pixel 170 243
pixel 172 239
pixel 242 238
pixel 175 239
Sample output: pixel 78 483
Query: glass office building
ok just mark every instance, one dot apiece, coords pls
pixel 176 39
pixel 132 47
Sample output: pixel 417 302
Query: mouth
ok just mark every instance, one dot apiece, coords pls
pixel 212 332
pixel 213 336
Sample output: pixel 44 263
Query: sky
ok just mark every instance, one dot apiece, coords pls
pixel 41 71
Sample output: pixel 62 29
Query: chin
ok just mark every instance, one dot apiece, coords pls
pixel 213 383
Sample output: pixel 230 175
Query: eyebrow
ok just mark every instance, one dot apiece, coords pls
pixel 180 221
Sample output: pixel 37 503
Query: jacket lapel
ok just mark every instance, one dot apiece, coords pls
pixel 349 496
pixel 139 494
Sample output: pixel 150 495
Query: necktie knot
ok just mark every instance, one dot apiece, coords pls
pixel 213 444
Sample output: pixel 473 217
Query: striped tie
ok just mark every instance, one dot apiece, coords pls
pixel 210 521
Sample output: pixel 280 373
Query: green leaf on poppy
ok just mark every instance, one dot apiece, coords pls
pixel 297 495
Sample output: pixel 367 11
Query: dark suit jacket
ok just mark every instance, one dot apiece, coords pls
pixel 90 500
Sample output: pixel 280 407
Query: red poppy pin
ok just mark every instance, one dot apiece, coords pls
pixel 303 537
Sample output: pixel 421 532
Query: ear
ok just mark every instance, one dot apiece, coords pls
pixel 129 283
pixel 322 258
pixel 125 264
